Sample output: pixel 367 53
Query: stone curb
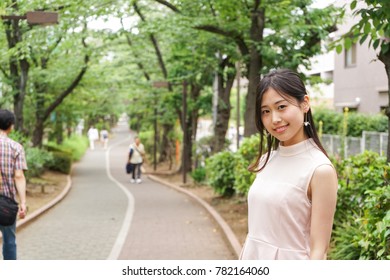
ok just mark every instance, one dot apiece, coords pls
pixel 229 234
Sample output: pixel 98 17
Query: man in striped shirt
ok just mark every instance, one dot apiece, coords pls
pixel 12 180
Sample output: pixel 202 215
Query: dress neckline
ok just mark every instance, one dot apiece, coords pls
pixel 296 149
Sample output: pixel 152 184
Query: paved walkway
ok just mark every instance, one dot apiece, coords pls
pixel 104 216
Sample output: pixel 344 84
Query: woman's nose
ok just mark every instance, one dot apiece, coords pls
pixel 275 117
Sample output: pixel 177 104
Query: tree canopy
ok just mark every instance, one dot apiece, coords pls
pixel 74 70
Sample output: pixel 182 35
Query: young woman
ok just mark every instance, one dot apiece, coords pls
pixel 292 201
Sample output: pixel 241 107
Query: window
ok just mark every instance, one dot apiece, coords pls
pixel 383 109
pixel 350 56
pixel 352 109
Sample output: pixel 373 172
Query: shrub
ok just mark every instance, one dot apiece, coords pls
pixel 220 172
pixel 246 155
pixel 331 120
pixel 243 177
pixel 358 174
pixel 365 235
pixel 37 160
pixel 357 122
pixel 75 146
pixel 362 219
pixel 62 162
pixel 199 175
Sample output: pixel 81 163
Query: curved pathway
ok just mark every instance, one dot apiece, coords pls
pixel 104 216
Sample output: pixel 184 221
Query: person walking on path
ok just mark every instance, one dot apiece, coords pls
pixel 93 135
pixel 13 182
pixel 136 158
pixel 104 137
pixel 292 200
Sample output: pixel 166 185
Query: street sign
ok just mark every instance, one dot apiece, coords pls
pixel 160 84
pixel 42 18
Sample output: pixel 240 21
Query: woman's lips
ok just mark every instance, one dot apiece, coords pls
pixel 280 129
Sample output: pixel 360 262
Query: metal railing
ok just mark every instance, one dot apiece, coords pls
pixel 370 140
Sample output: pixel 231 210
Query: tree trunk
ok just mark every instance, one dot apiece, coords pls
pixel 223 107
pixel 166 147
pixel 192 125
pixel 18 71
pixel 40 89
pixel 188 127
pixel 385 58
pixel 21 93
pixel 195 94
pixel 58 130
pixel 254 66
pixel 38 132
pixel 188 146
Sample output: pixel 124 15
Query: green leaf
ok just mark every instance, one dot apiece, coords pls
pixel 369 43
pixel 367 27
pixel 385 48
pixel 376 44
pixel 347 43
pixel 339 49
pixel 380 252
pixel 363 39
pixel 353 5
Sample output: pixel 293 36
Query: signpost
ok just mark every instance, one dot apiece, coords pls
pixel 42 18
pixel 35 18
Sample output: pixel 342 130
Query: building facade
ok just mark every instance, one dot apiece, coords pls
pixel 360 80
pixel 356 77
pixel 359 77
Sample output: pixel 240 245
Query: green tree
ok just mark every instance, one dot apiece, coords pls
pixel 181 54
pixel 41 67
pixel 269 34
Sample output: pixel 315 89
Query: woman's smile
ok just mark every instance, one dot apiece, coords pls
pixel 281 129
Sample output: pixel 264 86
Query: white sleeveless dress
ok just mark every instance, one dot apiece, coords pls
pixel 279 210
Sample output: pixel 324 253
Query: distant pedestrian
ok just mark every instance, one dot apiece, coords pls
pixel 104 137
pixel 292 201
pixel 12 180
pixel 93 135
pixel 136 158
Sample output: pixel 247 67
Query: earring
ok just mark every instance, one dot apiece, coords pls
pixel 305 122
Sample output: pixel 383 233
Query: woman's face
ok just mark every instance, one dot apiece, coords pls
pixel 283 118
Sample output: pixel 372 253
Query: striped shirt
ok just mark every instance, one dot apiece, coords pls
pixel 12 157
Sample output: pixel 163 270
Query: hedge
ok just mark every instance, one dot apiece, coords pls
pixel 357 122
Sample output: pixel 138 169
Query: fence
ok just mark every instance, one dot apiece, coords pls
pixel 373 141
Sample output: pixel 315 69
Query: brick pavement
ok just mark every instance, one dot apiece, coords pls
pixel 104 216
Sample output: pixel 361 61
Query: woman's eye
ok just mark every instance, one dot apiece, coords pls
pixel 264 112
pixel 281 107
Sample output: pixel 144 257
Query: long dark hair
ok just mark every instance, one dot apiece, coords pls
pixel 289 85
